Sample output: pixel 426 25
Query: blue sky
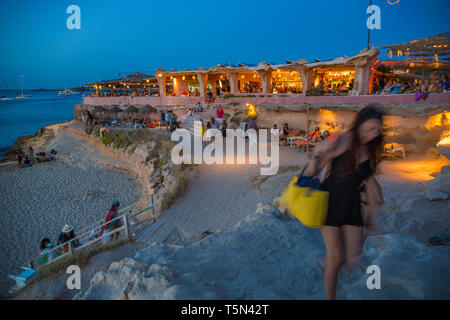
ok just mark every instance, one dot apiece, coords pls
pixel 128 36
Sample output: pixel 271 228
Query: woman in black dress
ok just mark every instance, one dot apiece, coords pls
pixel 353 158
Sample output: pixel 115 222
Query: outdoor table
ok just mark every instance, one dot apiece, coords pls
pixel 290 140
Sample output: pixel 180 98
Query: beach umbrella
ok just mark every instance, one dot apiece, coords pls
pixel 147 109
pixel 98 109
pixel 131 109
pixel 115 110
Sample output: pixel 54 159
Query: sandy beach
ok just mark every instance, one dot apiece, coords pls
pixel 36 202
pixel 233 244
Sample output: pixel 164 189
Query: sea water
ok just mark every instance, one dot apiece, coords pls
pixel 20 117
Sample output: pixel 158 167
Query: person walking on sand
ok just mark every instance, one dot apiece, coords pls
pixel 352 160
pixel 111 214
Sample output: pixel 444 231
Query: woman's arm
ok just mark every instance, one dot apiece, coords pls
pixel 325 152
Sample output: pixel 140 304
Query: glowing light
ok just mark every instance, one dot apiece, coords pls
pixel 184 78
pixel 399 53
pixel 159 74
pixel 444 141
pixel 390 53
pixel 438 120
pixel 411 65
pixel 251 110
pixel 436 57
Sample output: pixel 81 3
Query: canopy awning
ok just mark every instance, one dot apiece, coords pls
pixel 430 46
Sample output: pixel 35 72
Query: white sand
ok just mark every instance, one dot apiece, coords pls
pixel 254 255
pixel 263 257
pixel 36 202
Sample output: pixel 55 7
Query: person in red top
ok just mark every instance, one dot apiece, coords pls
pixel 315 135
pixel 219 114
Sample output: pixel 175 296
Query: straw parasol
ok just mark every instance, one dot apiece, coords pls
pixel 98 109
pixel 114 110
pixel 131 109
pixel 147 109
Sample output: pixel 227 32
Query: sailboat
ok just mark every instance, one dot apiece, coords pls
pixel 22 95
pixel 65 92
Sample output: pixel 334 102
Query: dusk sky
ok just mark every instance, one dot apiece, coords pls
pixel 129 36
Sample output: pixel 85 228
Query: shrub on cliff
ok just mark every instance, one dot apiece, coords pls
pixel 315 92
pixel 107 138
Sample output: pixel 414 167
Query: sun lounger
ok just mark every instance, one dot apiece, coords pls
pixel 21 279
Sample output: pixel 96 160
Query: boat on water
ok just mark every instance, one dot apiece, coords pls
pixel 65 92
pixel 5 98
pixel 22 95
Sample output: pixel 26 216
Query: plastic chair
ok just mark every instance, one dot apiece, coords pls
pixel 21 279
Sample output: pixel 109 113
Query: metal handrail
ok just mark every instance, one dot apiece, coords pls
pixel 82 237
pixel 121 210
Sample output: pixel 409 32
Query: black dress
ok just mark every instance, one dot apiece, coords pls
pixel 343 184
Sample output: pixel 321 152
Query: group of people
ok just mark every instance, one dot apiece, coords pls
pixel 433 83
pixel 170 118
pixel 49 250
pixel 87 118
pixel 28 159
pixel 250 87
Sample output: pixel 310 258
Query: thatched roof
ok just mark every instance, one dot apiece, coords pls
pixel 147 109
pixel 131 109
pixel 114 109
pixel 98 109
pixel 439 44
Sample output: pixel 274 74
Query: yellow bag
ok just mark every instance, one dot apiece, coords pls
pixel 308 205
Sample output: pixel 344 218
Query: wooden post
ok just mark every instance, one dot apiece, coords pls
pixel 307 128
pixel 152 209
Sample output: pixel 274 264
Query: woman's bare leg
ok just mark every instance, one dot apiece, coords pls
pixel 353 241
pixel 333 242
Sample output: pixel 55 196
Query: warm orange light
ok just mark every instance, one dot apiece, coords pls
pixel 159 74
pixel 184 78
pixel 251 110
pixel 438 120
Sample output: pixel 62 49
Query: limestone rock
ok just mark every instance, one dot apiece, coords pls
pixel 441 238
pixel 436 195
pixel 444 150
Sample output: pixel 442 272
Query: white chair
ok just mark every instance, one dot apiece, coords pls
pixel 393 149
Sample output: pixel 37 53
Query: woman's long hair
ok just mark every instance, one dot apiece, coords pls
pixel 369 112
pixel 44 242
